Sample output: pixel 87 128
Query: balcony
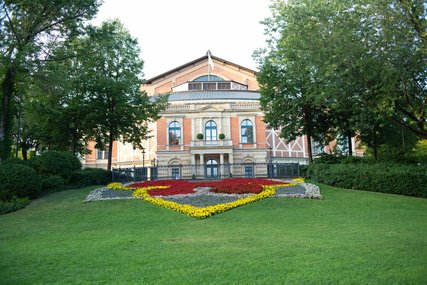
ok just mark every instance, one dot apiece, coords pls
pixel 211 144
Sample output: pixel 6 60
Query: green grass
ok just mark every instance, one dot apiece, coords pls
pixel 350 237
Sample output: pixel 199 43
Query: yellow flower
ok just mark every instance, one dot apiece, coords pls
pixel 298 180
pixel 119 186
pixel 143 192
pixel 208 211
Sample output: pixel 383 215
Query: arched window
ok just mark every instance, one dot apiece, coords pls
pixel 210 131
pixel 211 168
pixel 208 78
pixel 174 133
pixel 247 131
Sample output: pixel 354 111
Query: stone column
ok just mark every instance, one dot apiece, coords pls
pixel 221 161
pixel 202 164
pixel 193 165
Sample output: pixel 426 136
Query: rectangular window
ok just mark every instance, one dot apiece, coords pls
pixel 175 173
pixel 247 135
pixel 194 86
pixel 209 86
pixel 102 154
pixel 249 171
pixel 224 86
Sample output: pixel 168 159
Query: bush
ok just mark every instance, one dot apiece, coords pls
pixel 390 178
pixel 328 158
pixel 13 205
pixel 75 162
pixel 199 136
pixel 19 181
pixel 16 161
pixel 54 163
pixel 221 136
pixel 53 182
pixel 88 177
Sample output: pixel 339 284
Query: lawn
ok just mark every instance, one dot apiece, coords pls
pixel 349 237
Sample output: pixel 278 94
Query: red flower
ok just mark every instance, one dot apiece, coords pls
pixel 229 186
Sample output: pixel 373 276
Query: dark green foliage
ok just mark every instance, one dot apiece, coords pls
pixel 29 31
pixel 200 136
pixel 410 180
pixel 16 161
pixel 18 181
pixel 221 136
pixel 303 170
pixel 53 163
pixel 53 182
pixel 88 177
pixel 75 162
pixel 13 205
pixel 328 158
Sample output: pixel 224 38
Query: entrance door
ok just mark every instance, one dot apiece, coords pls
pixel 211 168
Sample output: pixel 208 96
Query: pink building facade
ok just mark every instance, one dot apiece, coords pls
pixel 213 120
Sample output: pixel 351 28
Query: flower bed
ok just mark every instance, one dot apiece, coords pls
pixel 202 213
pixel 161 193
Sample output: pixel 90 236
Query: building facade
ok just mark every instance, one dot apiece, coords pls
pixel 213 121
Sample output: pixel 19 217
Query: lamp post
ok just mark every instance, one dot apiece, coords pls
pixel 143 157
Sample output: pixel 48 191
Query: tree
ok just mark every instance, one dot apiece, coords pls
pixel 57 113
pixel 288 78
pixel 29 30
pixel 117 109
pixel 358 62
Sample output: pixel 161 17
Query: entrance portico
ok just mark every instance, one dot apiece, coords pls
pixel 210 163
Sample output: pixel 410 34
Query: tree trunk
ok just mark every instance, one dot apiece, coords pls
pixel 8 85
pixel 350 144
pixel 309 149
pixel 110 149
pixel 307 118
pixel 24 153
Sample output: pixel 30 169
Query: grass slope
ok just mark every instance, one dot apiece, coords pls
pixel 350 237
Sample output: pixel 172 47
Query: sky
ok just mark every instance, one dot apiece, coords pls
pixel 171 33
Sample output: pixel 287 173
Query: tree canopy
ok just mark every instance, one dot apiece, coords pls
pixel 29 31
pixel 117 109
pixel 355 63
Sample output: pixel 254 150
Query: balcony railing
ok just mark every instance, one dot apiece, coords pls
pixel 211 144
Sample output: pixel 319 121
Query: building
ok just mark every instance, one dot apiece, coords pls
pixel 212 127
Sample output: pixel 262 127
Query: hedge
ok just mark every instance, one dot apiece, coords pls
pixel 87 177
pixel 410 180
pixel 13 205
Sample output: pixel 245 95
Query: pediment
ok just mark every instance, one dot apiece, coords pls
pixel 211 108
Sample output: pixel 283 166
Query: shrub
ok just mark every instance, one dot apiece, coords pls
pixel 75 162
pixel 379 177
pixel 221 136
pixel 16 161
pixel 303 170
pixel 328 158
pixel 200 136
pixel 88 177
pixel 19 181
pixel 53 163
pixel 53 182
pixel 13 205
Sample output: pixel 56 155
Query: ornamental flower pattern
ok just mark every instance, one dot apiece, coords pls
pixel 254 189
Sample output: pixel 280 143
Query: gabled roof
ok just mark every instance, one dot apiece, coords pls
pixel 203 58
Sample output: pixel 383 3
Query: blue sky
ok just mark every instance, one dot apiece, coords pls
pixel 171 33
